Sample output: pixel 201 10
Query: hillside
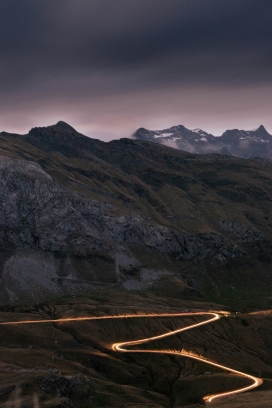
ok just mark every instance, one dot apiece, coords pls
pixel 78 214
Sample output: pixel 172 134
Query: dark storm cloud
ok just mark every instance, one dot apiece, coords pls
pixel 70 53
pixel 52 35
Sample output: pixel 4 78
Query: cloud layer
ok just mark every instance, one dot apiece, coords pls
pixel 108 67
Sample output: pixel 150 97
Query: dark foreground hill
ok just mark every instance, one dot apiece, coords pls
pixel 78 214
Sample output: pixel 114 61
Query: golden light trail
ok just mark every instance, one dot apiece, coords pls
pixel 121 347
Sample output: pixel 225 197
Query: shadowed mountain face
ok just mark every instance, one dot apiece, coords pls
pixel 240 143
pixel 79 214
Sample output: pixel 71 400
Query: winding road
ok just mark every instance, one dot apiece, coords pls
pixel 122 347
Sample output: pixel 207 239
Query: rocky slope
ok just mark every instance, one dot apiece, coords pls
pixel 241 143
pixel 77 214
pixel 45 227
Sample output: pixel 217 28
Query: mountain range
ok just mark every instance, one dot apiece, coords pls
pixel 240 143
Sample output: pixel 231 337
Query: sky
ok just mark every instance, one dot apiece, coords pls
pixel 109 67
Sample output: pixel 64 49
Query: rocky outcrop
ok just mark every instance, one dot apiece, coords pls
pixel 244 233
pixel 38 213
pixel 65 386
pixel 230 252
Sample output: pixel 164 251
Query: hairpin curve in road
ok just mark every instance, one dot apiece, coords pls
pixel 122 347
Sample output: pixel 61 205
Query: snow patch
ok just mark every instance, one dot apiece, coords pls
pixel 200 131
pixel 204 139
pixel 255 139
pixel 163 135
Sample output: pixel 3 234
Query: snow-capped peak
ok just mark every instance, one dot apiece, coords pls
pixel 200 131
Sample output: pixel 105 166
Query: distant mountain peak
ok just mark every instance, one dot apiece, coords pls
pixel 64 125
pixel 243 143
pixel 60 127
pixel 262 129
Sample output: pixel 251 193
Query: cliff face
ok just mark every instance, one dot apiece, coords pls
pixel 45 229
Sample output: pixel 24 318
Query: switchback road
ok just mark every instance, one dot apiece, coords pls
pixel 123 347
